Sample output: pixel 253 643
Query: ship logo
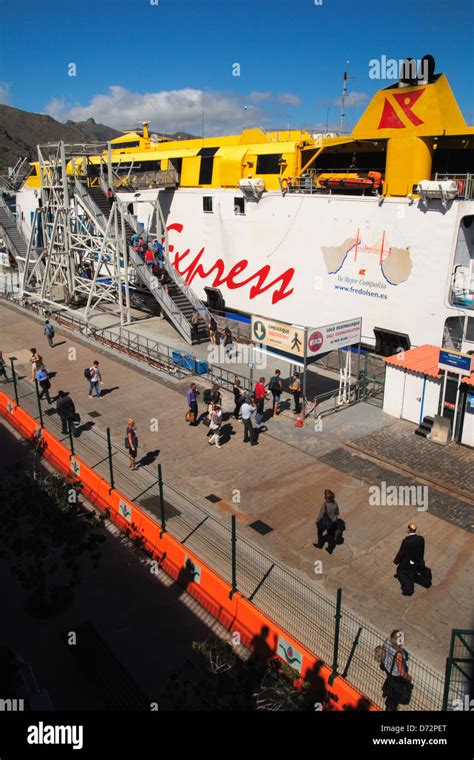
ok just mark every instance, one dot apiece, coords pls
pixel 390 119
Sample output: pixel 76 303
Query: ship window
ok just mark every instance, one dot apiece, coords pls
pixel 207 204
pixel 269 164
pixel 129 144
pixel 207 165
pixel 239 206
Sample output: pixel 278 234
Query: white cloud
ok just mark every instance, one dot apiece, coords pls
pixel 357 99
pixel 4 93
pixel 289 99
pixel 168 110
pixel 260 97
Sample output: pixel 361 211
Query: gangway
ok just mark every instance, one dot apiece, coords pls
pixel 178 301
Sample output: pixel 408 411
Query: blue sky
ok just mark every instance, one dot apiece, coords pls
pixel 136 60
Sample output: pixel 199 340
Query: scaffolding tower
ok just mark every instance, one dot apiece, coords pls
pixel 73 258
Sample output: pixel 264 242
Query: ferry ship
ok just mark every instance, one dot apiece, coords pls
pixel 315 229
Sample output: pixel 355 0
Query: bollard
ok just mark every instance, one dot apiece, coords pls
pixel 234 557
pixel 15 385
pixel 39 403
pixel 111 466
pixel 162 501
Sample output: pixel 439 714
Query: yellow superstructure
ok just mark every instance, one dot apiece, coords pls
pixel 405 135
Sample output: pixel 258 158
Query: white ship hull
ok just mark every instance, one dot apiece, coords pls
pixel 316 259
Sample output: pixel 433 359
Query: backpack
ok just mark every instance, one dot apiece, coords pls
pixel 87 373
pixel 207 396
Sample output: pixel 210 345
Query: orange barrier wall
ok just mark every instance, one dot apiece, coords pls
pixel 238 615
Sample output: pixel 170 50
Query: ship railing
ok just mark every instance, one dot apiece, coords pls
pixel 304 184
pixel 146 180
pixel 465 183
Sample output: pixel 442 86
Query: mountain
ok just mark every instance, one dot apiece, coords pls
pixel 21 132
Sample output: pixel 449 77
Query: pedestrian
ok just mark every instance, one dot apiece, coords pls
pixel 195 320
pixel 66 411
pixel 191 396
pixel 228 341
pixel 393 659
pixel 110 196
pixel 238 392
pixel 216 395
pixel 215 426
pixel 42 378
pixel 3 371
pixel 275 388
pixel 36 361
pixel 260 395
pixel 158 249
pixel 328 522
pixel 149 259
pixel 410 558
pixel 95 378
pixel 212 330
pixel 247 409
pixel 131 443
pixel 165 280
pixel 49 332
pixel 295 388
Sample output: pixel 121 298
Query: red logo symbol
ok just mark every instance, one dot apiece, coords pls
pixel 405 101
pixel 315 341
pixel 361 271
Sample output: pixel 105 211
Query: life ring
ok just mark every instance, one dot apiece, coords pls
pixel 285 183
pixel 460 185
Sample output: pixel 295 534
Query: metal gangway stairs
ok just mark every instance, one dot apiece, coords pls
pixel 177 300
pixel 18 245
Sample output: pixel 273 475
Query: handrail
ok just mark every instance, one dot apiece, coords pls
pixel 178 279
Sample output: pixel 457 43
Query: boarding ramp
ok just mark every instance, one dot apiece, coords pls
pixel 180 301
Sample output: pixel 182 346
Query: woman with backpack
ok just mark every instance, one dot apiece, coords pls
pixel 275 388
pixel 393 660
pixel 131 443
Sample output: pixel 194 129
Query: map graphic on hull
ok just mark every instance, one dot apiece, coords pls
pixel 394 264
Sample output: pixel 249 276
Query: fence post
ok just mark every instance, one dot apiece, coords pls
pixel 111 466
pixel 336 637
pixel 39 403
pixel 162 501
pixel 447 677
pixel 234 556
pixel 69 430
pixel 14 381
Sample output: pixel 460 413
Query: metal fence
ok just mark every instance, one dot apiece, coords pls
pixel 284 595
pixel 460 672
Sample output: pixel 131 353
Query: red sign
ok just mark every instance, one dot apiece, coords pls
pixel 315 341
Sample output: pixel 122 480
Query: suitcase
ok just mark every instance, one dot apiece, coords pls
pixel 423 577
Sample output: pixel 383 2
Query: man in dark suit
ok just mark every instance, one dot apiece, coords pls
pixel 410 558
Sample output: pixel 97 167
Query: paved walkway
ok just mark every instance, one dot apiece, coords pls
pixel 281 482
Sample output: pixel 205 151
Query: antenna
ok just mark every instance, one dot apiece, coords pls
pixel 343 96
pixel 245 117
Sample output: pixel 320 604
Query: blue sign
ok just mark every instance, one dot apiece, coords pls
pixel 452 361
